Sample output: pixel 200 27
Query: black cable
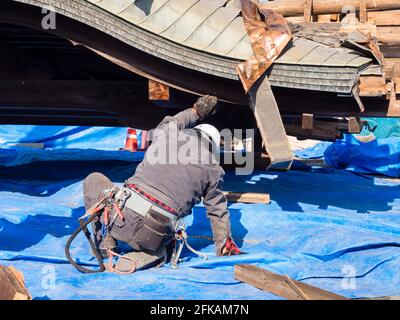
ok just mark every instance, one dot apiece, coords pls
pixel 83 227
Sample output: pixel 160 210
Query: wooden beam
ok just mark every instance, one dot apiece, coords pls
pixel 363 11
pixel 385 18
pixel 280 285
pixel 394 105
pixel 372 86
pixel 354 125
pixel 291 8
pixel 389 34
pixel 307 121
pixel 308 10
pixel 247 197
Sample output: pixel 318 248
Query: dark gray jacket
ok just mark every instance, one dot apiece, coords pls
pixel 179 170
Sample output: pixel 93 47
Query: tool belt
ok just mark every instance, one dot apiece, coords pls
pixel 160 220
pixel 143 203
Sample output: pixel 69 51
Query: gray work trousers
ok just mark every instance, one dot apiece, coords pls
pixel 131 230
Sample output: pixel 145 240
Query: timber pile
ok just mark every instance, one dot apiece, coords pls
pixel 372 24
pixel 380 17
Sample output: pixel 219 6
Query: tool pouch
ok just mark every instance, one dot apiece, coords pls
pixel 153 232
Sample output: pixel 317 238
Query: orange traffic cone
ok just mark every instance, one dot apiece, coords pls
pixel 131 143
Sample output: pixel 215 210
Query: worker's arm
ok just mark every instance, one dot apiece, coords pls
pixel 182 120
pixel 217 211
pixel 189 117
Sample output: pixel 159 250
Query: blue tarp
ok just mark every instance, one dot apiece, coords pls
pixel 382 155
pixel 377 156
pixel 329 228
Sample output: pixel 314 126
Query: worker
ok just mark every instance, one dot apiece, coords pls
pixel 162 192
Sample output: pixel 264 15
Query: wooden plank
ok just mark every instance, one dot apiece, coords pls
pixel 247 197
pixel 307 121
pixel 269 121
pixel 308 10
pixel 291 8
pixel 363 11
pixel 389 34
pixel 385 18
pixel 354 125
pixel 324 18
pixel 280 285
pixel 394 105
pixel 372 86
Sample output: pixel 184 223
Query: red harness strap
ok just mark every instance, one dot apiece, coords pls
pixel 152 199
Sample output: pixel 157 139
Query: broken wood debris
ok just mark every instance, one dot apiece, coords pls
pixel 282 286
pixel 12 285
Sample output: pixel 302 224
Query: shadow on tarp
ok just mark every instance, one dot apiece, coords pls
pixel 37 226
pixel 45 178
pixel 200 234
pixel 290 190
pixel 337 188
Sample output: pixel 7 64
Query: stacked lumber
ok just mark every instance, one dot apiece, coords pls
pixel 381 15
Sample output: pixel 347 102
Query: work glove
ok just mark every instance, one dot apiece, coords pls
pixel 204 106
pixel 230 248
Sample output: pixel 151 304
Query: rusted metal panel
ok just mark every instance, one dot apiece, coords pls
pixel 158 91
pixel 268 38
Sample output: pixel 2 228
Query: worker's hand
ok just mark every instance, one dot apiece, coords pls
pixel 204 106
pixel 230 248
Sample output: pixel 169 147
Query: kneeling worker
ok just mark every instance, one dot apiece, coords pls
pixel 162 193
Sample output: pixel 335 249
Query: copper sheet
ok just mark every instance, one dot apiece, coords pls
pixel 269 34
pixel 158 91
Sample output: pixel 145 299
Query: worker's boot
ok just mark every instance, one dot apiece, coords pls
pixel 141 260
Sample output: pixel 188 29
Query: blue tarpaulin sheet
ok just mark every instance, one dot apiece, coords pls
pixel 330 228
pixel 379 156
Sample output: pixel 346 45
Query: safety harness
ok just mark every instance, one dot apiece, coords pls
pixel 110 208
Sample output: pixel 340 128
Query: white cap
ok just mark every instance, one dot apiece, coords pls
pixel 211 133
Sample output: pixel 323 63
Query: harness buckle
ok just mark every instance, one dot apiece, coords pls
pixel 181 238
